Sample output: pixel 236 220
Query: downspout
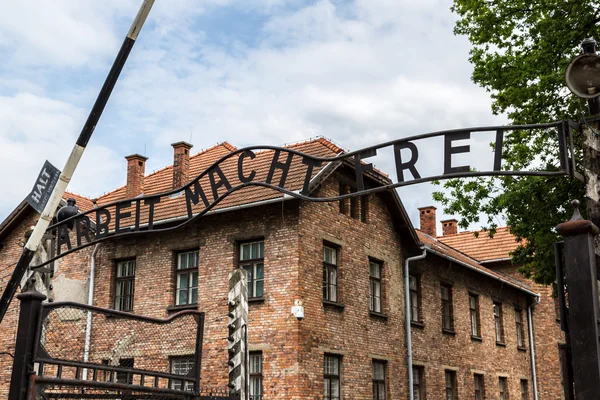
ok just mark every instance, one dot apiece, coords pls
pixel 88 324
pixel 407 315
pixel 531 346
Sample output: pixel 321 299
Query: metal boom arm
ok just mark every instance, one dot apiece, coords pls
pixel 40 228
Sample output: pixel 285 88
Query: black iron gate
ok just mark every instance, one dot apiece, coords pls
pixel 68 350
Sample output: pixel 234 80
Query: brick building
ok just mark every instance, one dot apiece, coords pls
pixel 344 260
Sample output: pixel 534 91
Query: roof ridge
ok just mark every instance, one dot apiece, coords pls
pixel 78 195
pixel 475 231
pixel 330 144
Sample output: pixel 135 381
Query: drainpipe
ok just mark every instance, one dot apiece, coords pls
pixel 407 315
pixel 88 324
pixel 530 323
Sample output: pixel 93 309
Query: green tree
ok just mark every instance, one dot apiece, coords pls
pixel 520 50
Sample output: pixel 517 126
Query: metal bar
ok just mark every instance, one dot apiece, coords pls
pixel 109 368
pixel 566 366
pixel 199 343
pixel 45 219
pixel 60 304
pixel 31 302
pixel 343 156
pixel 560 286
pixel 580 265
pixel 562 148
pixel 112 385
pixel 297 195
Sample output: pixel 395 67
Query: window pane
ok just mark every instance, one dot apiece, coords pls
pixel 248 269
pixel 329 255
pixel 244 251
pixel 335 389
pixel 192 259
pixel 255 363
pixel 412 282
pixel 254 250
pixel 182 297
pixel 183 261
pixel 331 365
pixel 445 293
pixel 374 270
pixel 379 371
pixel 416 376
pixel 182 281
pixel 260 273
pixel 474 327
pixel 259 288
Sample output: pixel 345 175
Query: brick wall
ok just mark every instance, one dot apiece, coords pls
pixel 547 335
pixel 437 351
pixel 293 350
pixel 351 331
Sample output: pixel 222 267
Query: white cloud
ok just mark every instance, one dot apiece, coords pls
pixel 357 72
pixel 37 128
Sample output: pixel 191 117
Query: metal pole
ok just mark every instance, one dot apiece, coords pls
pixel 580 265
pixel 40 228
pixel 563 349
pixel 31 305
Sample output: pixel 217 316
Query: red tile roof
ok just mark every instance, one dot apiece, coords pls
pixel 175 206
pixel 483 248
pixel 444 250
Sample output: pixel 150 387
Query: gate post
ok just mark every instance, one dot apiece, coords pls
pixel 238 333
pixel 584 311
pixel 31 305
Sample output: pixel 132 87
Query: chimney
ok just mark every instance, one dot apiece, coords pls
pixel 136 165
pixel 428 220
pixel 181 163
pixel 449 227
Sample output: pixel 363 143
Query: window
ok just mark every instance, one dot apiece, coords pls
pixel 524 389
pixel 503 388
pixel 474 315
pixel 255 371
pixel 498 323
pixel 451 393
pixel 344 202
pixel 356 207
pixel 447 317
pixel 331 377
pixel 520 330
pixel 252 260
pixel 375 286
pixel 364 208
pixel 414 283
pixel 125 285
pixel 119 377
pixel 187 278
pixel 330 273
pixel 182 366
pixel 379 380
pixel 354 210
pixel 479 387
pixel 418 382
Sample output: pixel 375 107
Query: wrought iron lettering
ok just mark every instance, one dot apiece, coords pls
pixel 137 216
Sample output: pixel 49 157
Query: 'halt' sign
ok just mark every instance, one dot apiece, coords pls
pixel 44 185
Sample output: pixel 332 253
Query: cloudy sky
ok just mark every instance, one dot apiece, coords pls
pixel 358 72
